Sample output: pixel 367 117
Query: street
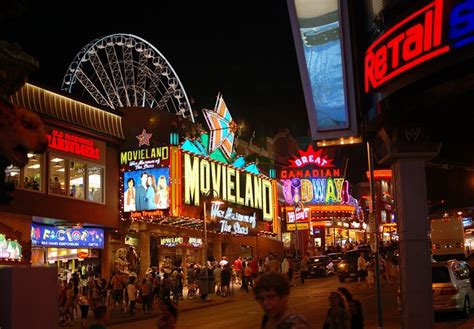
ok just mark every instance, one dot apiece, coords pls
pixel 309 299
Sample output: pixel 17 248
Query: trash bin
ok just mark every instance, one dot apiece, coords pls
pixel 210 288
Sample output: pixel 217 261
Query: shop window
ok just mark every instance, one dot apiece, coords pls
pixel 32 173
pixel 76 179
pixel 57 180
pixel 12 175
pixel 95 182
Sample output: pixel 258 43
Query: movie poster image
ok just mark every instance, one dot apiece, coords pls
pixel 146 189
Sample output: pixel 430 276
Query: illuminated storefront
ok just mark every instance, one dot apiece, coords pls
pixel 72 185
pixel 165 180
pixel 71 249
pixel 318 206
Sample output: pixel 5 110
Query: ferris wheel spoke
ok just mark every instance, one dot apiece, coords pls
pixel 164 99
pixel 129 74
pixel 117 75
pixel 142 75
pixel 104 78
pixel 92 89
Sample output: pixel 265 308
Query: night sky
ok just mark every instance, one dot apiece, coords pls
pixel 243 50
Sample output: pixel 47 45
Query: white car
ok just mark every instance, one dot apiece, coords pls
pixel 453 283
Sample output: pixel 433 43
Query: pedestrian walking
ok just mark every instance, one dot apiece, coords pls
pixel 132 295
pixel 338 313
pixel 355 309
pixel 304 268
pixel 361 269
pixel 272 291
pixel 226 277
pixel 83 301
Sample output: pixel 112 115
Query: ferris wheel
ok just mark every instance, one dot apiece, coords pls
pixel 123 70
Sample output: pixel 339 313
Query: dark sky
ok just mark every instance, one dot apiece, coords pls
pixel 243 50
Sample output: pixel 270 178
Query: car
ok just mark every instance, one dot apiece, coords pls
pixel 347 267
pixel 453 283
pixel 320 266
pixel 336 257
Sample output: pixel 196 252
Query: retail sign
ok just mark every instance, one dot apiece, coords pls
pixel 71 143
pixel 298 215
pixel 145 184
pixel 9 249
pixel 423 35
pixel 232 185
pixel 66 237
pixel 231 221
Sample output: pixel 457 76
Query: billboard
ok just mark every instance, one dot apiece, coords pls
pixel 145 183
pixel 323 49
pixel 67 237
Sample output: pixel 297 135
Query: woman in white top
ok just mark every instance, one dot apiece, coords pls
pixel 361 267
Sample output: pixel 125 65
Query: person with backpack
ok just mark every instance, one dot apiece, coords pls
pixel 355 309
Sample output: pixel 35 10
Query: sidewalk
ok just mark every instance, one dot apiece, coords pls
pixel 184 305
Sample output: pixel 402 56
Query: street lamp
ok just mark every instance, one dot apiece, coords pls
pixel 209 196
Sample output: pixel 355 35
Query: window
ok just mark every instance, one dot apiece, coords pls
pixel 30 177
pixel 76 179
pixel 440 274
pixel 32 173
pixel 12 175
pixel 95 178
pixel 57 178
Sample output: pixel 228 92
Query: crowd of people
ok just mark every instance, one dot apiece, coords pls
pixel 269 278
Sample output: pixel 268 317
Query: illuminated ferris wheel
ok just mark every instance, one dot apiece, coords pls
pixel 123 70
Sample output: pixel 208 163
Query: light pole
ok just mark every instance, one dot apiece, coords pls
pixel 213 201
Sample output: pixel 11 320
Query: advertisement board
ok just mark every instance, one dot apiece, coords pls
pixel 67 237
pixel 323 47
pixel 145 183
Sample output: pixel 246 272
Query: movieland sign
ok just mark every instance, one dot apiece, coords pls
pixel 421 36
pixel 231 184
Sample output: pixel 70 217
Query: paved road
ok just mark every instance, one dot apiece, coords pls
pixel 310 300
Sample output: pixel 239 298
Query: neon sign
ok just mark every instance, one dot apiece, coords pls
pixel 310 157
pixel 70 143
pixel 299 215
pixel 417 39
pixel 232 221
pixel 231 184
pixel 51 236
pixel 171 242
pixel 134 157
pixel 309 180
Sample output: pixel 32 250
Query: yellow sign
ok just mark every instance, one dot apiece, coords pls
pixel 300 227
pixel 231 184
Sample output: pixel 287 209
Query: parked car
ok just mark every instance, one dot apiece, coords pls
pixel 347 267
pixel 453 283
pixel 336 257
pixel 320 266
